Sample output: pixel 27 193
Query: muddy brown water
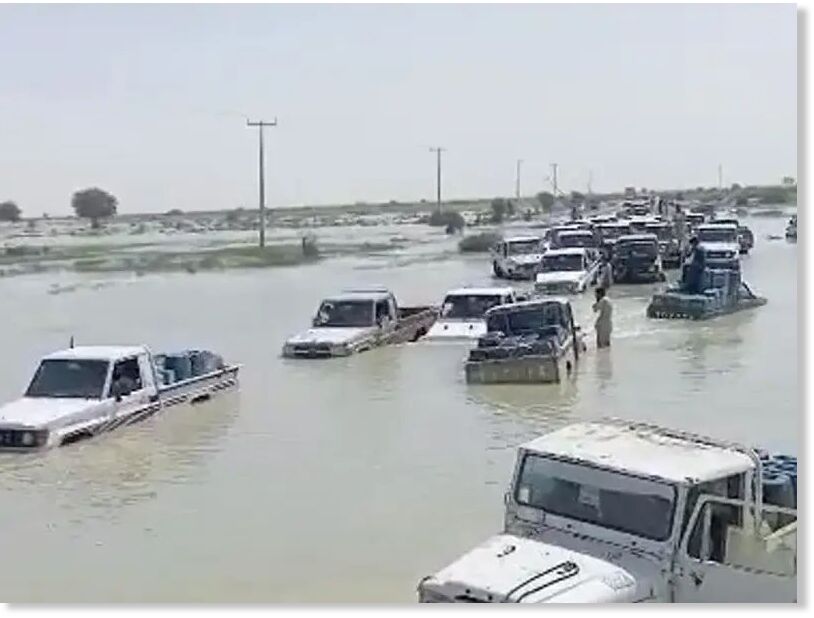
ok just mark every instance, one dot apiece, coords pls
pixel 343 480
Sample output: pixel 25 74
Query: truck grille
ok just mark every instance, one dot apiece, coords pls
pixel 14 438
pixel 313 350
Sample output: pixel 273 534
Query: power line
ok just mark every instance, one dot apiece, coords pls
pixel 438 150
pixel 261 125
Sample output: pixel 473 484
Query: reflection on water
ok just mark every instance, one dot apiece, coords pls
pixel 347 479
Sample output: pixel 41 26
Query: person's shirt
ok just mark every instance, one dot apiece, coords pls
pixel 604 308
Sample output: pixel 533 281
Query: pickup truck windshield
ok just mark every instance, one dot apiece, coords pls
pixel 640 507
pixel 467 307
pixel 345 313
pixel 81 379
pixel 575 240
pixel 612 232
pixel 723 235
pixel 522 321
pixel 523 247
pixel 662 232
pixel 643 247
pixel 558 263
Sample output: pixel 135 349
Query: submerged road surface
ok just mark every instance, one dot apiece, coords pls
pixel 348 479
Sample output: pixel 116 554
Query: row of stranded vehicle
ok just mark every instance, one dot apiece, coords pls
pixel 566 258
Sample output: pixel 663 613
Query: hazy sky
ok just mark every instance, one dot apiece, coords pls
pixel 149 101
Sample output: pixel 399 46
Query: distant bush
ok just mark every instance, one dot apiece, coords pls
pixel 741 200
pixel 174 212
pixel 478 243
pixel 451 220
pixel 309 246
pixel 500 208
pixel 772 195
pixel 546 200
pixel 9 211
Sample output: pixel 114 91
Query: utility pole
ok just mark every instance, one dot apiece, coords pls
pixel 720 176
pixel 438 150
pixel 261 125
pixel 517 180
pixel 554 178
pixel 590 180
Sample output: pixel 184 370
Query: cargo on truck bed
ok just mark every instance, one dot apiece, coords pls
pixel 359 320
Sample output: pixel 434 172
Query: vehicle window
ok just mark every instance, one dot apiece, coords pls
pixel 382 311
pixel 504 249
pixel 524 247
pixel 472 306
pixel 521 321
pixel 557 263
pixel 640 507
pixel 344 313
pixel 81 379
pixel 126 376
pixel 719 536
pixel 717 235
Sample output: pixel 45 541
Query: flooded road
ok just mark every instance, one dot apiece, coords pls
pixel 343 480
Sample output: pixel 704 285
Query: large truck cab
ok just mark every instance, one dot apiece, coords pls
pixel 618 511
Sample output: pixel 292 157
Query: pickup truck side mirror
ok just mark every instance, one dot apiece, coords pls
pixel 119 390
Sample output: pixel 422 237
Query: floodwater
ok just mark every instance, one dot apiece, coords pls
pixel 344 480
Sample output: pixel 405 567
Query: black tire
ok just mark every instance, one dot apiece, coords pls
pixel 497 270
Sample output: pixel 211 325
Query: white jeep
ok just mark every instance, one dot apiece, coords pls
pixel 619 511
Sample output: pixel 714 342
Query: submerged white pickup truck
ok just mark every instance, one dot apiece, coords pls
pixel 463 312
pixel 82 391
pixel 618 511
pixel 359 320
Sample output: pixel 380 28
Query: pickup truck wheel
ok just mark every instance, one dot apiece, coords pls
pixel 419 334
pixel 497 270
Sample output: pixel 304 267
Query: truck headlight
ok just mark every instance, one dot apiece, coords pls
pixel 28 438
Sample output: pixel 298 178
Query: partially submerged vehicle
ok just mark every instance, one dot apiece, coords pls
pixel 83 391
pixel 694 219
pixel 578 239
pixel 610 232
pixel 669 247
pixel 637 259
pixel 463 312
pixel 721 290
pixel 567 271
pixel 720 240
pixel 517 257
pixel 746 239
pixel 534 341
pixel 619 511
pixel 359 320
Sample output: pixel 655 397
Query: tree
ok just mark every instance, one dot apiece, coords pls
pixel 9 211
pixel 175 212
pixel 94 204
pixel 546 200
pixel 452 220
pixel 576 196
pixel 735 187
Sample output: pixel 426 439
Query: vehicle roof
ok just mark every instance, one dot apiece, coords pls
pixel 482 291
pixel 644 450
pixel 616 223
pixel 712 226
pixel 360 295
pixel 521 238
pixel 537 302
pixel 637 237
pixel 96 352
pixel 567 251
pixel 657 222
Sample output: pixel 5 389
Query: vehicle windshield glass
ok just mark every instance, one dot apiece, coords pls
pixel 662 232
pixel 556 263
pixel 459 306
pixel 522 321
pixel 640 507
pixel 80 379
pixel 719 235
pixel 576 240
pixel 639 246
pixel 345 313
pixel 523 247
pixel 613 231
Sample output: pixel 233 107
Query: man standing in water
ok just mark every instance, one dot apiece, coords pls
pixel 605 277
pixel 603 325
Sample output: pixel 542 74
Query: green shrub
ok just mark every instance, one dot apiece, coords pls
pixel 478 243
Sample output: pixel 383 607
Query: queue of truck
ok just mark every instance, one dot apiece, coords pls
pixel 610 511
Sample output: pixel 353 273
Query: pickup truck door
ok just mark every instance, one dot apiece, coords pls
pixel 130 404
pixel 722 561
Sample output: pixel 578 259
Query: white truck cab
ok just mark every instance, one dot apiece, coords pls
pixel 618 511
pixel 463 311
pixel 566 271
pixel 517 257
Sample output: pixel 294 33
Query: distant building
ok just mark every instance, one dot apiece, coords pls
pixel 630 191
pixel 789 181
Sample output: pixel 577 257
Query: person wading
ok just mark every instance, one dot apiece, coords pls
pixel 605 278
pixel 603 324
